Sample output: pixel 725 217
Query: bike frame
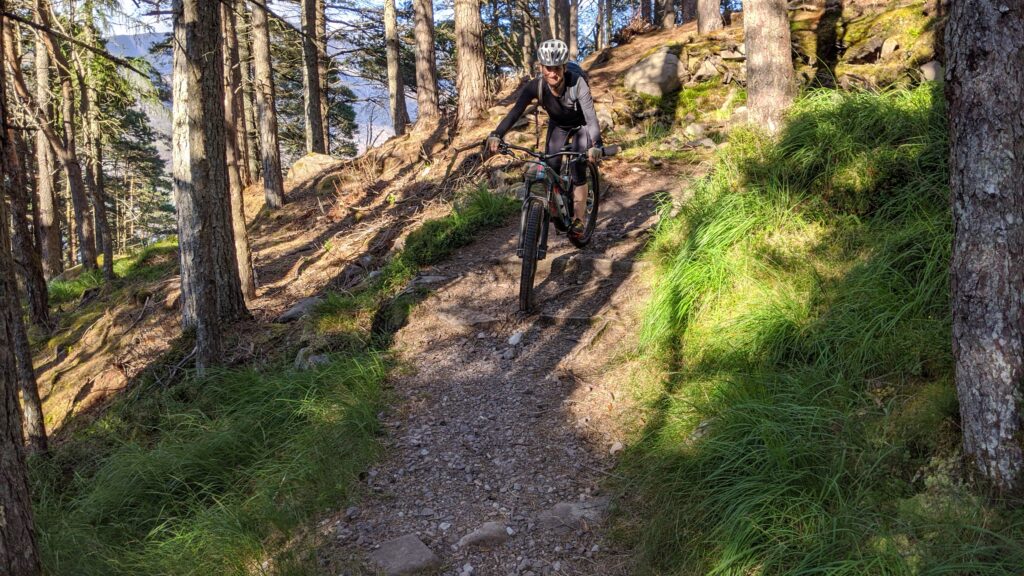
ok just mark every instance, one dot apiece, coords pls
pixel 544 173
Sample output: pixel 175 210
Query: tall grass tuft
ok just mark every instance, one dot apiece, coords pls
pixel 809 424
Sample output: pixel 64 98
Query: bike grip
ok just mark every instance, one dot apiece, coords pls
pixel 611 150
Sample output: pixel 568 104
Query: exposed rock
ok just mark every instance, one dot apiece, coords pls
pixel 890 45
pixel 616 448
pixel 706 143
pixel 694 130
pixel 867 52
pixel 731 55
pixel 405 555
pixel 605 118
pixel 515 339
pixel 706 71
pixel 656 75
pixel 931 71
pixel 489 534
pixel 311 165
pixel 306 360
pixel 300 309
pixel 568 516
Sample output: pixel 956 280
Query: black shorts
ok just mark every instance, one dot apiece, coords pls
pixel 580 142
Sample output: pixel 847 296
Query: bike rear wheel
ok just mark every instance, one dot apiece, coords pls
pixel 593 201
pixel 531 244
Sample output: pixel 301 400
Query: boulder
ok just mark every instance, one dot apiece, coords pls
pixel 694 130
pixel 931 71
pixel 405 555
pixel 656 75
pixel 306 360
pixel 311 165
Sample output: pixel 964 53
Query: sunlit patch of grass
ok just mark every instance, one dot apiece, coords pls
pixel 808 424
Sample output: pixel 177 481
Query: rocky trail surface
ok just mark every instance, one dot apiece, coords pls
pixel 502 431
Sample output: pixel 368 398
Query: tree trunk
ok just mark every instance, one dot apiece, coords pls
pixel 32 406
pixel 273 182
pixel 66 150
pixel 471 81
pixel 529 37
pixel 689 9
pixel 311 80
pixel 428 112
pixel 26 257
pixel 560 18
pixel 547 24
pixel 47 223
pixel 322 63
pixel 94 144
pixel 233 113
pixel 985 92
pixel 645 11
pixel 210 289
pixel 252 153
pixel 709 14
pixel 19 553
pixel 396 92
pixel 574 29
pixel 609 19
pixel 770 86
pixel 666 14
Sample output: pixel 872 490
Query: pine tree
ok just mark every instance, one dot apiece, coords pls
pixel 985 92
pixel 471 80
pixel 266 105
pixel 210 288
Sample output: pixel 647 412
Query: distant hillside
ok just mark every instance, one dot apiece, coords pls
pixel 368 114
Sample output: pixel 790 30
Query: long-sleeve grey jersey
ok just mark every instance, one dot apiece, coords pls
pixel 561 110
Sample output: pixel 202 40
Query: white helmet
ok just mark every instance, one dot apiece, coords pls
pixel 553 53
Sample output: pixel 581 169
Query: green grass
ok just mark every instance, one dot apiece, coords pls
pixel 151 263
pixel 801 313
pixel 217 475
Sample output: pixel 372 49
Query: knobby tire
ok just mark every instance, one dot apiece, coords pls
pixel 531 243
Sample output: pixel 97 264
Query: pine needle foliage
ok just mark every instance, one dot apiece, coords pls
pixel 808 424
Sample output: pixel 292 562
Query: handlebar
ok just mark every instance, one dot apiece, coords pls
pixel 504 147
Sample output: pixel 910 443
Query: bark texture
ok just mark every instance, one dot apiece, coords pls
pixel 709 13
pixel 770 86
pixel 210 289
pixel 266 106
pixel 573 29
pixel 47 221
pixel 233 123
pixel 471 81
pixel 427 110
pixel 689 11
pixel 26 257
pixel 19 553
pixel 322 65
pixel 311 80
pixel 666 13
pixel 396 90
pixel 985 94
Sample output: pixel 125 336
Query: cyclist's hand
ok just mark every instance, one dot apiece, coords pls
pixel 492 144
pixel 594 154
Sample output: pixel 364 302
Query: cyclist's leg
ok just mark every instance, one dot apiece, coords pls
pixel 556 140
pixel 581 143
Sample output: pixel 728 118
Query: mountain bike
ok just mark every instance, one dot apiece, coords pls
pixel 548 198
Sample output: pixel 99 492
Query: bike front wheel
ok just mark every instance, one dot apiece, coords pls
pixel 531 246
pixel 593 201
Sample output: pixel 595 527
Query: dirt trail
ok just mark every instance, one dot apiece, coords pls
pixel 501 417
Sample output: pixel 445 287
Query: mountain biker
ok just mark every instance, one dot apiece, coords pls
pixel 565 95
